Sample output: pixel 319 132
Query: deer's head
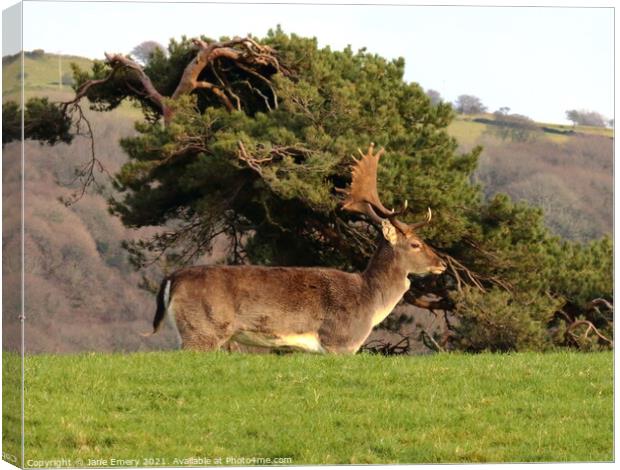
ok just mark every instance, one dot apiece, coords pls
pixel 362 197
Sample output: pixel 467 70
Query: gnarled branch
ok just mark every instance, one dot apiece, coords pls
pixel 590 328
pixel 246 53
pixel 384 347
pixel 441 304
pixel 118 60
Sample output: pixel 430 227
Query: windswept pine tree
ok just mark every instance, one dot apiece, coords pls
pixel 250 138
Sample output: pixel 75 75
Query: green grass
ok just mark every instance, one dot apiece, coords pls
pixel 42 80
pixel 41 73
pixel 469 133
pixel 321 409
pixel 604 131
pixel 11 407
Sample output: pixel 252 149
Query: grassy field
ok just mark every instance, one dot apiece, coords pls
pixel 42 79
pixel 11 407
pixel 41 73
pixel 319 409
pixel 469 133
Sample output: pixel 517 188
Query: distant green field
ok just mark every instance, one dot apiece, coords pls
pixel 42 73
pixel 468 132
pixel 319 409
pixel 42 77
pixel 605 131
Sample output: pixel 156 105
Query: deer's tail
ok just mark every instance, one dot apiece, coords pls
pixel 163 300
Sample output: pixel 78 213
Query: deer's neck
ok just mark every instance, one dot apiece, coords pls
pixel 386 281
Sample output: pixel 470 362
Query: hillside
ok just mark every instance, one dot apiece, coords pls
pixel 469 129
pixel 43 73
pixel 566 170
pixel 83 294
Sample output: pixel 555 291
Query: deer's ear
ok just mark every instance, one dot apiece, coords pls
pixel 389 231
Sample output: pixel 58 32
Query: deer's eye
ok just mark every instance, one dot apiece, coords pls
pixel 415 245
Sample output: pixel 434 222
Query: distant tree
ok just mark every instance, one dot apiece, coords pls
pixel 516 127
pixel 586 118
pixel 469 104
pixel 35 54
pixel 593 118
pixel 143 51
pixel 610 123
pixel 434 96
pixel 573 116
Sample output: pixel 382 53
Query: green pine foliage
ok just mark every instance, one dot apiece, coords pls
pixel 43 121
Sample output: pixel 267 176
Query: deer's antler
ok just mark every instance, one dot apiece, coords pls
pixel 429 216
pixel 362 196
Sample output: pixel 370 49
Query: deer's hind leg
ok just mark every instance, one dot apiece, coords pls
pixel 203 342
pixel 200 329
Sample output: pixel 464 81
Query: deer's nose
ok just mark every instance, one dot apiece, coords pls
pixel 440 268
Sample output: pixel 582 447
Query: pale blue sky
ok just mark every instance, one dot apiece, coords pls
pixel 537 61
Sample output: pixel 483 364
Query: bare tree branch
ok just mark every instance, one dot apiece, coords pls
pixel 442 304
pixel 428 338
pixel 118 60
pixel 85 174
pixel 252 162
pixel 249 54
pixel 379 346
pixel 590 327
pixel 217 91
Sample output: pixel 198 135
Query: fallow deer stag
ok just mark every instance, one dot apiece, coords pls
pixel 306 309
